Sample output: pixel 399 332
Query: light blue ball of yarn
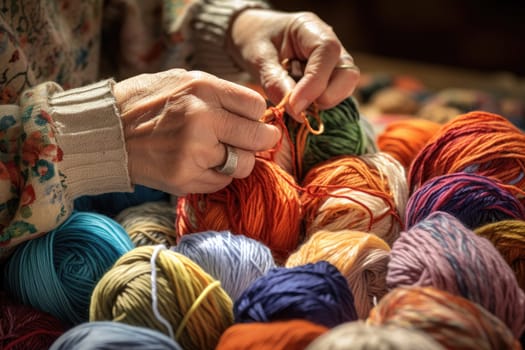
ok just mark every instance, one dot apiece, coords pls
pixel 56 273
pixel 235 260
pixel 105 335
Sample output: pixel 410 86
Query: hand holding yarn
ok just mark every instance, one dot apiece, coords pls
pixel 180 122
pixel 260 39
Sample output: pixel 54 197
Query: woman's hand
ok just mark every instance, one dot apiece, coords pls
pixel 261 39
pixel 177 123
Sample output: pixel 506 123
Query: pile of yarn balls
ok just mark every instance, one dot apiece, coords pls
pixel 409 236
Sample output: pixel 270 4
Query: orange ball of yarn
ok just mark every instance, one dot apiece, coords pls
pixel 453 321
pixel 363 193
pixel 477 142
pixel 285 335
pixel 403 139
pixel 264 206
pixel 361 257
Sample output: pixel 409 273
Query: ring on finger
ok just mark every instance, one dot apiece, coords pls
pixel 231 162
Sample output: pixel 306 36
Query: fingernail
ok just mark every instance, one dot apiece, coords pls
pixel 300 106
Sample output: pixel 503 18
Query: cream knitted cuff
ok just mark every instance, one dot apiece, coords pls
pixel 210 26
pixel 89 131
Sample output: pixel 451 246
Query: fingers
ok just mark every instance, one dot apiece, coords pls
pixel 241 100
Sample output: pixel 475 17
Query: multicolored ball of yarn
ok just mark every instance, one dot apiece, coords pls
pixel 361 336
pixel 57 272
pixel 264 206
pixel 362 193
pixel 403 139
pixel 316 292
pixel 276 335
pixel 441 252
pixel 508 236
pixel 23 327
pixel 474 199
pixel 235 260
pixel 393 100
pixel 113 335
pixel 361 257
pixel 452 321
pixel 157 288
pixel 477 142
pixel 149 223
pixel 343 134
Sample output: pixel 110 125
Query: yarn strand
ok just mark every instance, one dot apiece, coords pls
pixel 154 298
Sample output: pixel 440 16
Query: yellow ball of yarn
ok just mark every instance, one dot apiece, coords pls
pixel 160 289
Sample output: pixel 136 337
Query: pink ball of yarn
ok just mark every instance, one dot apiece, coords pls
pixel 441 252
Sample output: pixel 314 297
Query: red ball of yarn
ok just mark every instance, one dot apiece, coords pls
pixel 22 327
pixel 284 335
pixel 264 206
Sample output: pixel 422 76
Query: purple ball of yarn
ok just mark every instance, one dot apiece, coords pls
pixel 474 199
pixel 441 252
pixel 316 292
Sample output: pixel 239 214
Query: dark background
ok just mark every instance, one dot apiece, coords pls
pixel 478 35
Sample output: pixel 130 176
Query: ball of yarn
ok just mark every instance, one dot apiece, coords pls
pixel 283 335
pixel 508 236
pixel 452 321
pixel 395 100
pixel 149 223
pixel 441 252
pixel 343 135
pixel 315 292
pixel 464 100
pixel 359 335
pixel 106 335
pixel 361 257
pixel 23 327
pixel 477 142
pixel 264 206
pixel 403 139
pixel 157 288
pixel 235 260
pixel 57 272
pixel 111 204
pixel 474 199
pixel 362 193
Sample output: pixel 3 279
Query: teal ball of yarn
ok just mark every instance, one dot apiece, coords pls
pixel 56 273
pixel 235 260
pixel 345 133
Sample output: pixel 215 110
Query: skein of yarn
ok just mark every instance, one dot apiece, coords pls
pixel 361 257
pixel 508 236
pixel 343 134
pixel 315 292
pixel 277 335
pixel 403 139
pixel 452 321
pixel 149 223
pixel 361 336
pixel 264 206
pixel 235 260
pixel 23 327
pixel 157 288
pixel 477 142
pixel 474 199
pixel 106 335
pixel 57 272
pixel 362 193
pixel 441 252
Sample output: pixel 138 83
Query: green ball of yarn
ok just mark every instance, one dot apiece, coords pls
pixel 57 273
pixel 345 133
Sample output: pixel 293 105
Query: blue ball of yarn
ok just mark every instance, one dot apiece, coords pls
pixel 105 335
pixel 473 199
pixel 235 260
pixel 316 292
pixel 56 273
pixel 111 204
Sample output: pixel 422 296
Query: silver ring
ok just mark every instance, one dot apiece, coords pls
pixel 230 165
pixel 346 66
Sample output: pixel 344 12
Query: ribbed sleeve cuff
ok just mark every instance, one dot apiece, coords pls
pixel 89 131
pixel 210 27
